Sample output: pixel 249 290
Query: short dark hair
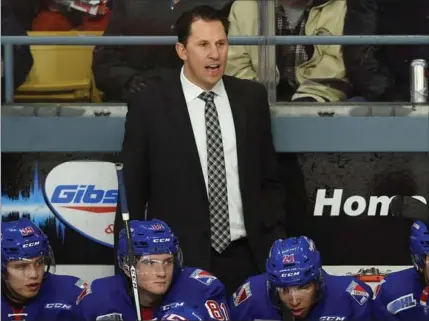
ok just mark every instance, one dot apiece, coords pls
pixel 203 12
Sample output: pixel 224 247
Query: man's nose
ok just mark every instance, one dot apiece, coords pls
pixel 214 52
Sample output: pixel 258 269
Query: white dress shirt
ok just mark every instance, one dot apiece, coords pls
pixel 196 107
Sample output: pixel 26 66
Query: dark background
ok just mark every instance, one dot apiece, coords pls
pixel 342 240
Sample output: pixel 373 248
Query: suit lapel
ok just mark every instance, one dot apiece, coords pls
pixel 178 110
pixel 239 114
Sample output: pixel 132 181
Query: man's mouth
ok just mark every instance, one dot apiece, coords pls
pixel 213 67
pixel 297 312
pixel 33 286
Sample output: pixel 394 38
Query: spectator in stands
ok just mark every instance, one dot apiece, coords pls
pixel 23 60
pixel 65 15
pixel 61 15
pixel 122 71
pixel 382 73
pixel 306 73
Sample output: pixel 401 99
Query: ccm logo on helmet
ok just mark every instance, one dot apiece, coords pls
pixel 161 240
pixel 31 244
pixel 289 274
pixel 58 306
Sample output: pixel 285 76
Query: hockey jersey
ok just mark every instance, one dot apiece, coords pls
pixel 344 298
pixel 400 296
pixel 110 298
pixel 56 301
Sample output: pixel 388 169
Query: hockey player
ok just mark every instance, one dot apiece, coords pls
pixel 296 287
pixel 29 291
pixel 163 281
pixel 404 295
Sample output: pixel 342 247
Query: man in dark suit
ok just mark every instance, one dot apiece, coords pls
pixel 198 152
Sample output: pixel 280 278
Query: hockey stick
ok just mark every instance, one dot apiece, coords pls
pixel 126 218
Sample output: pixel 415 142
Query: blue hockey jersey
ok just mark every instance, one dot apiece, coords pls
pixel 56 301
pixel 344 298
pixel 398 297
pixel 110 298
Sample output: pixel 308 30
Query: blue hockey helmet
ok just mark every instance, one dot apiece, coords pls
pixel 148 238
pixel 183 313
pixel 23 240
pixel 419 244
pixel 293 262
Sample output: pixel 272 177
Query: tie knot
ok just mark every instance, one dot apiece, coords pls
pixel 207 96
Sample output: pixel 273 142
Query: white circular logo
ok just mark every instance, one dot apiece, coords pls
pixel 83 194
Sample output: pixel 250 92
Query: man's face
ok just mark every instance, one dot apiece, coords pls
pixel 205 53
pixel 299 299
pixel 155 273
pixel 25 276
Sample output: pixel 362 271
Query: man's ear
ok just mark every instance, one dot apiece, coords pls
pixel 181 51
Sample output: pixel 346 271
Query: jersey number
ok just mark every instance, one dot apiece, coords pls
pixel 216 311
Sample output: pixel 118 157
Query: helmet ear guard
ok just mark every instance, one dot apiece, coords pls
pixel 419 244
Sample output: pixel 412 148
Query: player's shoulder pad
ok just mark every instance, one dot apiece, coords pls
pixel 202 277
pixel 100 287
pixel 359 291
pixel 67 283
pixel 85 289
pixel 252 288
pixel 397 284
pixel 242 294
pixel 63 279
pixel 396 291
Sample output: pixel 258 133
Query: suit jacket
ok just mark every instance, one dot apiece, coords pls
pixel 162 167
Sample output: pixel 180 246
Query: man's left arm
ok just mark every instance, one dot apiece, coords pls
pixel 216 304
pixel 272 189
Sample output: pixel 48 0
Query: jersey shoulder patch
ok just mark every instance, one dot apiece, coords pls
pixel 358 292
pixel 86 289
pixel 202 276
pixel 81 283
pixel 242 294
pixel 402 303
pixel 377 289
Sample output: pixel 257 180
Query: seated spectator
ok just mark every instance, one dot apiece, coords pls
pixel 381 73
pixel 65 15
pixel 23 60
pixel 307 73
pixel 60 15
pixel 122 71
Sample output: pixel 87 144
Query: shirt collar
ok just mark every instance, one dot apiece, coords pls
pixel 192 91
